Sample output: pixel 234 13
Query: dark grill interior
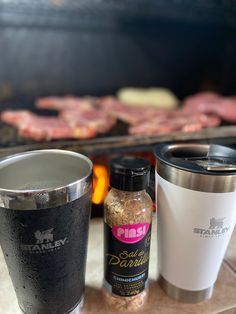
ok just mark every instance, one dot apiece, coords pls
pixel 100 46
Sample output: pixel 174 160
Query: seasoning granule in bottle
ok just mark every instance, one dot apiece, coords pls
pixel 127 234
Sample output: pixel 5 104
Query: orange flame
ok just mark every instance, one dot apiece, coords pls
pixel 100 184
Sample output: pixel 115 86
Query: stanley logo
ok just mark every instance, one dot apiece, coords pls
pixel 216 223
pixel 216 228
pixel 46 236
pixel 44 243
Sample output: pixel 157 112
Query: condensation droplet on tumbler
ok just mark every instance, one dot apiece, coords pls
pixel 23 287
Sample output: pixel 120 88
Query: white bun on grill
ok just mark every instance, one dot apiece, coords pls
pixel 156 96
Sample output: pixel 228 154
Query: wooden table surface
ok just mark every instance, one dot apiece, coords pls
pixel 223 299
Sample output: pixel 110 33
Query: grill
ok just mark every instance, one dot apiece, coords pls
pixel 116 141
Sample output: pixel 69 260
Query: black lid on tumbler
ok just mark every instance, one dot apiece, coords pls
pixel 129 173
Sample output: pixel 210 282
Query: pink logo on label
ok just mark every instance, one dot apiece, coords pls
pixel 130 233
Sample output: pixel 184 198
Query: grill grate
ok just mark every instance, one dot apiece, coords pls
pixel 9 136
pixel 116 141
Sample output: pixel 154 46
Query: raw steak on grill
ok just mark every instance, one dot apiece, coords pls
pixel 201 100
pixel 131 115
pixel 224 107
pixel 185 123
pixel 67 102
pixel 16 117
pixel 45 128
pixel 97 119
pixel 227 109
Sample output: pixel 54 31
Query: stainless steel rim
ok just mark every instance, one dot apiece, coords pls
pixel 35 199
pixel 212 183
pixel 196 181
pixel 185 296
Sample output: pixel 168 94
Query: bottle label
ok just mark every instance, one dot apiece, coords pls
pixel 126 251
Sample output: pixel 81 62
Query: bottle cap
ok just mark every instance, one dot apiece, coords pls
pixel 129 173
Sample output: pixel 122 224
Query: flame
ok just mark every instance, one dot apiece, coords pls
pixel 100 184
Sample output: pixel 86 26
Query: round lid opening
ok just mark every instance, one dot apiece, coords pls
pixel 198 158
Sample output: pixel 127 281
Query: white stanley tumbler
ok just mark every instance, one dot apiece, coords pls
pixel 196 212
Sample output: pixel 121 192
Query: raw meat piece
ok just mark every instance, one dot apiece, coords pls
pixel 45 128
pixel 206 120
pixel 131 115
pixel 201 101
pixel 185 123
pixel 67 102
pixel 79 112
pixel 152 128
pixel 16 117
pixel 199 121
pixel 209 121
pixel 96 119
pixel 108 103
pixel 227 109
pixel 224 107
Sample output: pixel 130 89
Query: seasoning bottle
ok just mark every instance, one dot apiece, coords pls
pixel 127 234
